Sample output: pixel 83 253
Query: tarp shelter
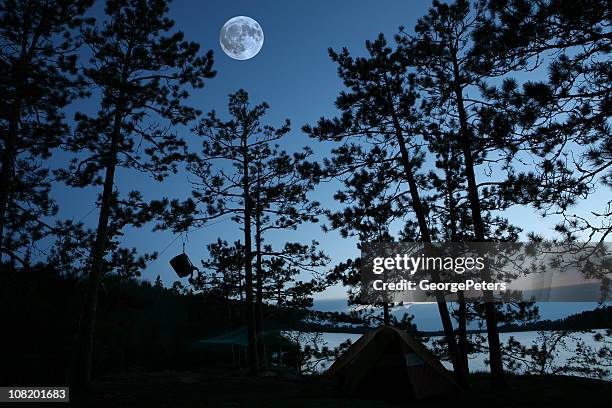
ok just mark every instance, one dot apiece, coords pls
pixel 389 364
pixel 239 337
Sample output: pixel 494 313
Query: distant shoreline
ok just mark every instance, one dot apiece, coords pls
pixel 600 318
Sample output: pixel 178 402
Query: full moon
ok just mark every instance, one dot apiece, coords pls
pixel 241 38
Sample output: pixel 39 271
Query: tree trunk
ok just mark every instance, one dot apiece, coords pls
pixel 253 361
pixel 81 373
pixel 386 316
pixel 497 368
pixel 230 325
pixel 462 311
pixel 259 329
pixel 7 172
pixel 385 305
pixel 463 344
pixel 417 206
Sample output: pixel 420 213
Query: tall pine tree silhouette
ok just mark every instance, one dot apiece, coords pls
pixel 38 79
pixel 379 111
pixel 441 51
pixel 225 171
pixel 143 72
pixel 241 173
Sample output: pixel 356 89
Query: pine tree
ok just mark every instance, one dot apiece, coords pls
pixel 441 51
pixel 379 111
pixel 158 283
pixel 281 186
pixel 143 72
pixel 241 173
pixel 221 191
pixel 562 119
pixel 38 71
pixel 223 271
pixel 371 205
pixel 451 212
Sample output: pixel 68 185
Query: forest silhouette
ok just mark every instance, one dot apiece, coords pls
pixel 438 137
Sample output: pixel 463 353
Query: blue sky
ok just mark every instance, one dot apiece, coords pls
pixel 294 74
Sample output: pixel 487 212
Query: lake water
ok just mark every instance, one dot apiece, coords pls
pixel 477 361
pixel 427 316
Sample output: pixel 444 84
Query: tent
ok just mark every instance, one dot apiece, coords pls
pixel 389 364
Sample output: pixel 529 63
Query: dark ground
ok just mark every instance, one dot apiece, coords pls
pixel 217 388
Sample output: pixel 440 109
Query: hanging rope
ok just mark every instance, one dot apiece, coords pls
pixel 183 239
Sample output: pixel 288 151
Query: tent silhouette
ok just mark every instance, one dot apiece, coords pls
pixel 389 364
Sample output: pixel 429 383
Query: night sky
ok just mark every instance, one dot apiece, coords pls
pixel 294 74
